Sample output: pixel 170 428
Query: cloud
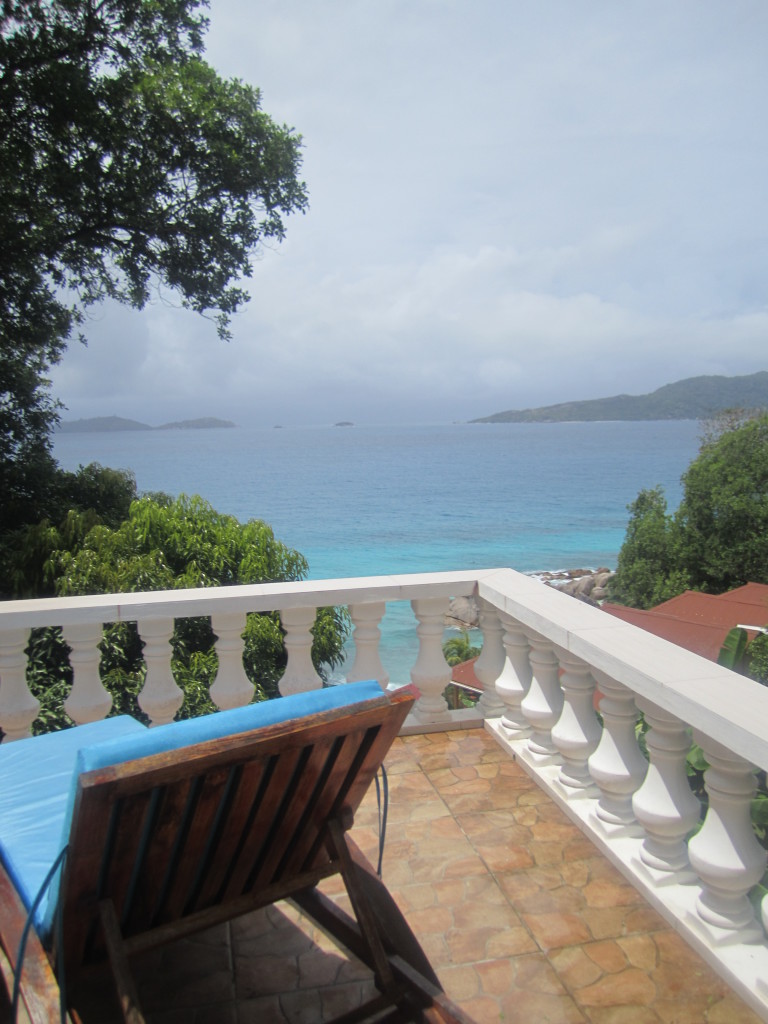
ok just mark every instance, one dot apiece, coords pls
pixel 511 205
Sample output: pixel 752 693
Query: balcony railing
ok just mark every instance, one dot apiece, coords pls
pixel 547 662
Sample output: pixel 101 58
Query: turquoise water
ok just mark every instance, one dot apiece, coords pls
pixel 359 501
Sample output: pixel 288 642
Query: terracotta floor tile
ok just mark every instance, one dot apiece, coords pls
pixel 554 930
pixel 631 987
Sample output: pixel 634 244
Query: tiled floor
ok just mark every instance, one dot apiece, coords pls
pixel 522 918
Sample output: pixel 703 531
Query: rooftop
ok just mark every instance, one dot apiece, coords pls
pixel 522 916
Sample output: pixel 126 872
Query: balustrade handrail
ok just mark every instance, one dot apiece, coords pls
pixel 257 597
pixel 728 707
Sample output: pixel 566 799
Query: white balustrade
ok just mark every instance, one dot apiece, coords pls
pixel 664 804
pixel 543 703
pixel 88 700
pixel 231 688
pixel 515 679
pixel 300 673
pixel 490 663
pixel 725 853
pixel 617 765
pixel 576 733
pixel 431 673
pixel 18 708
pixel 160 697
pixel 367 663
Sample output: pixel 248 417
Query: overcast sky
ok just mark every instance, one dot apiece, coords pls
pixel 511 204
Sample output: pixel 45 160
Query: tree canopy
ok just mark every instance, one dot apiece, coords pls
pixel 718 537
pixel 127 164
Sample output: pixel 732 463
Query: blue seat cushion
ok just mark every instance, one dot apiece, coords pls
pixel 35 780
pixel 36 843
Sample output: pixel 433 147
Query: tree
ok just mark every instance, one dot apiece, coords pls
pixel 722 520
pixel 718 537
pixel 126 165
pixel 647 571
pixel 167 544
pixel 458 649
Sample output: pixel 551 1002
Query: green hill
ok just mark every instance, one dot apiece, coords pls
pixel 692 399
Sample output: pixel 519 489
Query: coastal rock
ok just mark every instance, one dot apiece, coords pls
pixel 589 585
pixel 463 612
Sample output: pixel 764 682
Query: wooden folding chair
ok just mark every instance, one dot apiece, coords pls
pixel 167 844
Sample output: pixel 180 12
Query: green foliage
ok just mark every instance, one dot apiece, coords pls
pixel 459 648
pixel 718 537
pixel 723 517
pixel 126 165
pixel 647 572
pixel 167 544
pixel 734 649
pixel 76 502
pixel 757 663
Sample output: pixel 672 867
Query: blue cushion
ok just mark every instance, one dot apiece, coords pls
pixel 36 775
pixel 175 735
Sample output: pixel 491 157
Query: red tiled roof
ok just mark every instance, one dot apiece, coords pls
pixel 700 622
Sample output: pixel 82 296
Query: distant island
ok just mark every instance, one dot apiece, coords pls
pixel 344 423
pixel 694 398
pixel 113 424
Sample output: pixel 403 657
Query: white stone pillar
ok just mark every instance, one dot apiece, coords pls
pixel 543 704
pixel 664 804
pixel 367 663
pixel 725 853
pixel 515 679
pixel 160 697
pixel 431 673
pixel 617 766
pixel 88 700
pixel 300 673
pixel 18 708
pixel 577 732
pixel 231 688
pixel 490 663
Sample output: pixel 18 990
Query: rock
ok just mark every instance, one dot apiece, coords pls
pixel 584 584
pixel 463 612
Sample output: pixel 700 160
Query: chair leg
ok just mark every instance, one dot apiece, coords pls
pixel 381 967
pixel 121 970
pixel 380 927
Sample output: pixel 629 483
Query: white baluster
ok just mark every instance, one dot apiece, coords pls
pixel 367 663
pixel 725 853
pixel 664 804
pixel 232 688
pixel 543 703
pixel 300 673
pixel 490 663
pixel 577 732
pixel 431 673
pixel 88 700
pixel 617 766
pixel 18 708
pixel 515 679
pixel 160 697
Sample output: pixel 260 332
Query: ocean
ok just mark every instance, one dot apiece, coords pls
pixel 367 500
